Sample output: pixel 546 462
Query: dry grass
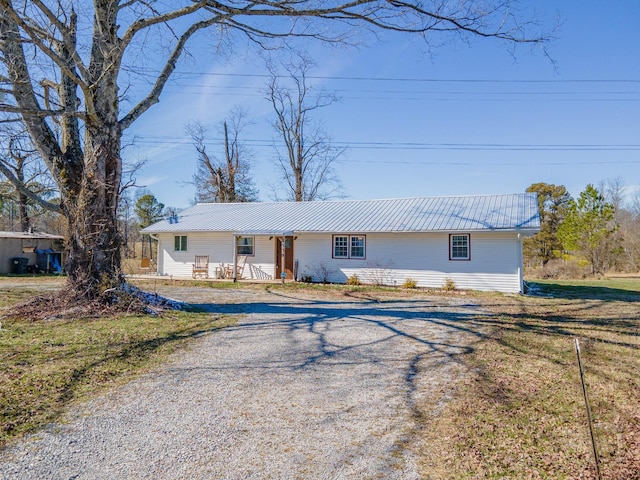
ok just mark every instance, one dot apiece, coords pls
pixel 47 364
pixel 520 413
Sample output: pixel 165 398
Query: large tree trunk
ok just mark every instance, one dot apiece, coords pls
pixel 93 250
pixel 94 257
pixel 93 246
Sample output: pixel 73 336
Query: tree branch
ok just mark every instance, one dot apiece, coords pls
pixel 141 24
pixel 35 38
pixel 154 95
pixel 26 192
pixel 11 45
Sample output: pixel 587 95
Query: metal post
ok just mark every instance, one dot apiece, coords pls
pixel 283 272
pixel 586 402
pixel 235 258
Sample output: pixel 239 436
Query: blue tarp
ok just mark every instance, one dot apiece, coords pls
pixel 54 260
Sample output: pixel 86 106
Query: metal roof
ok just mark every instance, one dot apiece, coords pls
pixel 27 235
pixel 422 214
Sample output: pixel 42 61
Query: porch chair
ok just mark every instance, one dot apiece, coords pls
pixel 145 265
pixel 240 263
pixel 201 266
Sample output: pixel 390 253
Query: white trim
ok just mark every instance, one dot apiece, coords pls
pixel 453 258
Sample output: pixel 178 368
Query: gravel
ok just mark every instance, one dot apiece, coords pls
pixel 304 387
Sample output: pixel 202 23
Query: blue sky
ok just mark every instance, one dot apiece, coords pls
pixel 460 119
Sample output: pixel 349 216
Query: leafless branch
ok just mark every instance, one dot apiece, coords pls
pixel 21 187
pixel 307 168
pixel 154 95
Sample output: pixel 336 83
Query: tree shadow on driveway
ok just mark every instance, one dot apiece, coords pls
pixel 404 319
pixel 414 337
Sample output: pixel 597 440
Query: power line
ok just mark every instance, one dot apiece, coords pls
pixel 423 92
pixel 153 73
pixel 492 163
pixel 155 140
pixel 461 96
pixel 417 79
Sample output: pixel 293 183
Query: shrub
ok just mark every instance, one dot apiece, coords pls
pixel 379 273
pixel 354 280
pixel 409 283
pixel 560 269
pixel 449 285
pixel 321 271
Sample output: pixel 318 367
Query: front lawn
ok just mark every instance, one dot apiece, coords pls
pixel 520 413
pixel 47 364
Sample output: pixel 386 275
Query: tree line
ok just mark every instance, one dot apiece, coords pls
pixel 594 233
pixel 304 157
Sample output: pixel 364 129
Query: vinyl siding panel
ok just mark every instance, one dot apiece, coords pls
pixel 392 258
pixel 220 248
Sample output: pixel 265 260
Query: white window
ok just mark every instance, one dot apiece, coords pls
pixel 357 246
pixel 459 247
pixel 180 243
pixel 341 246
pixel 244 245
pixel 349 246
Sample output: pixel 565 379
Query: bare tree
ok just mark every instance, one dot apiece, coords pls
pixel 18 162
pixel 21 162
pixel 227 179
pixel 63 61
pixel 307 164
pixel 613 190
pixel 631 227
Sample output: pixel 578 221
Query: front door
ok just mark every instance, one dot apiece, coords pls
pixel 288 257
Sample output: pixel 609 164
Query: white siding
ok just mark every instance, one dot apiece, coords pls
pixel 495 265
pixel 220 248
pixel 392 258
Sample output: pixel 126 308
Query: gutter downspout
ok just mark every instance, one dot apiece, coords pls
pixel 235 258
pixel 283 271
pixel 520 263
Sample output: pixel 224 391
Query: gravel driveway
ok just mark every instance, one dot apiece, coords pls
pixel 308 387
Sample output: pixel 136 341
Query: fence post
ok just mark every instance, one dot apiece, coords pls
pixel 588 408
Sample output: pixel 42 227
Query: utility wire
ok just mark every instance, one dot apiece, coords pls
pixel 156 139
pixel 153 73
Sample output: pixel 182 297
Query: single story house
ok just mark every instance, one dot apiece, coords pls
pixel 21 249
pixel 475 241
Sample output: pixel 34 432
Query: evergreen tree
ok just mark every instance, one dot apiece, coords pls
pixel 588 229
pixel 149 211
pixel 553 202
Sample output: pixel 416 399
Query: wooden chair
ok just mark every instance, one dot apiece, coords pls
pixel 240 263
pixel 201 266
pixel 242 260
pixel 145 265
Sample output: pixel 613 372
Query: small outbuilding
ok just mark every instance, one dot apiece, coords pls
pixel 21 252
pixel 473 241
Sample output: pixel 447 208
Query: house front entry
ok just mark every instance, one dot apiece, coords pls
pixel 284 250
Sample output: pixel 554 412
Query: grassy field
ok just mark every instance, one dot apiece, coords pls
pixel 520 413
pixel 46 365
pixel 517 414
